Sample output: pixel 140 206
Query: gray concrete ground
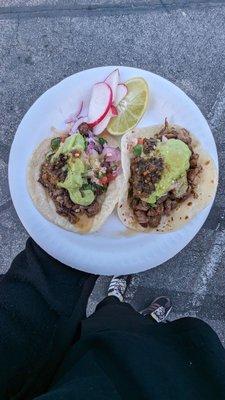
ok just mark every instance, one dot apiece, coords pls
pixel 41 42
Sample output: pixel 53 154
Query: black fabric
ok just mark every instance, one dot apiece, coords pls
pixel 122 355
pixel 47 353
pixel 41 305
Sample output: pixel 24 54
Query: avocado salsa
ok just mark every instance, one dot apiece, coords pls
pixel 77 171
pixel 164 171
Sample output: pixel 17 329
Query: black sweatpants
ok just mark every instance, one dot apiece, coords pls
pixel 43 317
pixel 42 303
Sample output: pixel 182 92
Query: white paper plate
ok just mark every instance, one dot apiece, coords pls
pixel 111 250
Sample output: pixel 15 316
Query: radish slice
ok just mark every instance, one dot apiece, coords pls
pixel 103 124
pixel 81 108
pixel 73 117
pixel 112 80
pixel 114 110
pixel 120 93
pixel 100 103
pixel 79 121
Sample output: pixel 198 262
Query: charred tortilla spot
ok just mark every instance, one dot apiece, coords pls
pixel 207 162
pixel 186 217
pixel 189 203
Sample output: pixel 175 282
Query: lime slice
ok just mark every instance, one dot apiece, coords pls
pixel 131 108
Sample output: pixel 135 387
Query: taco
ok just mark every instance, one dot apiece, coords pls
pixel 74 180
pixel 168 178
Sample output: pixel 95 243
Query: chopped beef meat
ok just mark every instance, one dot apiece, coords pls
pixel 93 209
pixel 63 199
pixel 162 199
pixel 145 214
pixel 171 133
pixel 141 217
pixel 187 194
pixel 148 216
pixel 153 222
pixel 50 175
pixel 64 206
pixel 142 188
pixel 84 129
pixel 148 145
pixel 167 206
pixel 194 160
pixel 134 202
pixel 171 194
pixel 139 205
pixel 144 174
pixel 155 211
pixel 184 136
pixel 144 224
pixel 61 210
pixel 193 174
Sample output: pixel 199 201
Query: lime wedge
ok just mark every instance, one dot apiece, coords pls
pixel 131 108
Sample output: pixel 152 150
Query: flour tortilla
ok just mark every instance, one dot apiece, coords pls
pixel 205 190
pixel 46 206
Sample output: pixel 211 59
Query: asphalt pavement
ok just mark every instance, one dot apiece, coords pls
pixel 43 41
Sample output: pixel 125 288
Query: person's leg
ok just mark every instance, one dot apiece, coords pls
pixel 42 302
pixel 158 310
pixel 113 313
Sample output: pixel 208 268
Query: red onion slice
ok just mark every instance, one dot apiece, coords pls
pixel 112 154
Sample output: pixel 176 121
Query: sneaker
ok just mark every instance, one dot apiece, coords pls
pixel 159 309
pixel 118 286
